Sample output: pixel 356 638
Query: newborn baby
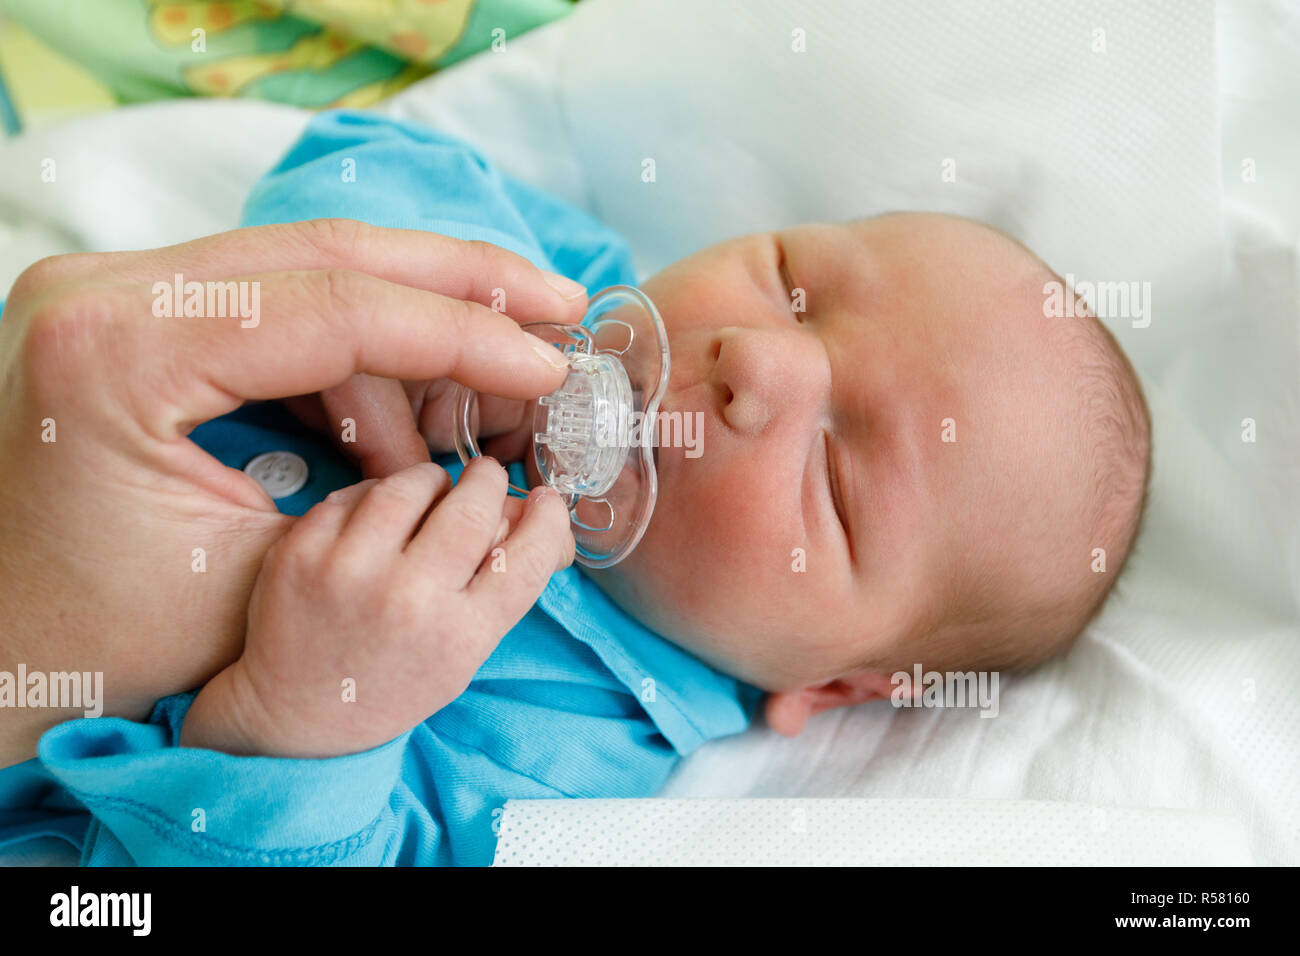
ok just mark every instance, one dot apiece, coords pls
pixel 904 462
pixel 947 459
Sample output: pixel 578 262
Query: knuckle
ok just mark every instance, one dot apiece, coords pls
pixel 473 513
pixel 52 270
pixel 498 265
pixel 334 500
pixel 389 495
pixel 483 253
pixel 486 261
pixel 531 564
pixel 335 237
pixel 342 497
pixel 465 315
pixel 345 568
pixel 36 276
pixel 338 297
pixel 64 331
pixel 343 287
pixel 417 481
pixel 290 558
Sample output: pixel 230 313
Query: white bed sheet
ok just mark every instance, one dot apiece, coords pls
pixel 855 832
pixel 1182 694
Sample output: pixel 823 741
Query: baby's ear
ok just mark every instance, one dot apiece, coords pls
pixel 788 710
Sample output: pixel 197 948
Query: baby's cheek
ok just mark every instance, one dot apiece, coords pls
pixel 733 547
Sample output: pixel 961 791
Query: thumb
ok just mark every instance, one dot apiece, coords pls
pixel 372 421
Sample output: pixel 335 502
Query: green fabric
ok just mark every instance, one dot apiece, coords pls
pixel 327 53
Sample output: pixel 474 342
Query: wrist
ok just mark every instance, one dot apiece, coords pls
pixel 218 718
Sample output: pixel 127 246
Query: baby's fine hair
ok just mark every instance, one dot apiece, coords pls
pixel 1116 432
pixel 1118 421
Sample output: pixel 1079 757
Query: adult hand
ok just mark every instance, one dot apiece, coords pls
pixel 104 501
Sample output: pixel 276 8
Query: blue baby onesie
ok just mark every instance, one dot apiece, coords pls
pixel 578 700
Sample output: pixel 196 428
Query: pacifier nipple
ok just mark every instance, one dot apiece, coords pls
pixel 585 427
pixel 592 436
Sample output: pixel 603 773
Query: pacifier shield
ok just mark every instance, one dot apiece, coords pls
pixel 593 437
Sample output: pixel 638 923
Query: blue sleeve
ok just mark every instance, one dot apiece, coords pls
pixel 529 726
pixel 541 719
pixel 152 803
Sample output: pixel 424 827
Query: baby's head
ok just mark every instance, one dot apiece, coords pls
pixel 918 468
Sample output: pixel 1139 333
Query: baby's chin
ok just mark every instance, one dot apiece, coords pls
pixel 633 584
pixel 645 585
pixel 650 586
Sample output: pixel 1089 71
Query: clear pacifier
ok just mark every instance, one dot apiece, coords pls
pixel 593 438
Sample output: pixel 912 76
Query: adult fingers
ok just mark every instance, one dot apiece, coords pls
pixel 309 332
pixel 472 270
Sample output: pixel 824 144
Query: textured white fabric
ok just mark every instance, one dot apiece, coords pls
pixel 901 832
pixel 1183 694
pixel 136 177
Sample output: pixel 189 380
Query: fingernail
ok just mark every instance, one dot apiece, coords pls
pixel 554 357
pixel 567 288
pixel 542 492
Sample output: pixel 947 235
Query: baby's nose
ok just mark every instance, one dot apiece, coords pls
pixel 764 375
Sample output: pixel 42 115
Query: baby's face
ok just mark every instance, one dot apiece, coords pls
pixel 827 520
